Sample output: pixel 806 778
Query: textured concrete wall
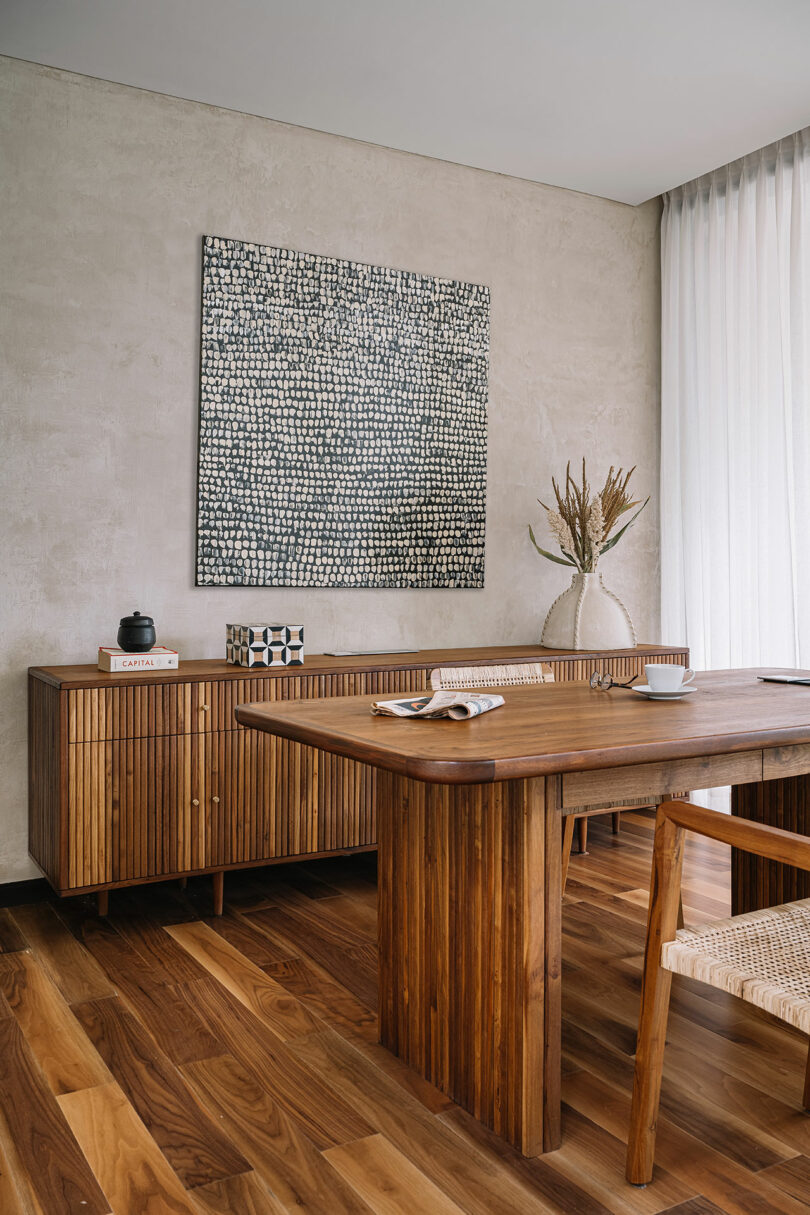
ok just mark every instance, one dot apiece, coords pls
pixel 105 193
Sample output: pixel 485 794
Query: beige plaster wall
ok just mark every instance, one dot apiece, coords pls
pixel 105 192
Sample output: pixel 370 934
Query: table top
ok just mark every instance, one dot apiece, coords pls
pixel 551 728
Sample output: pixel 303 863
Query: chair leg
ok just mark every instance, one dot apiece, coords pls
pixel 806 1097
pixel 582 831
pixel 567 845
pixel 616 818
pixel 655 992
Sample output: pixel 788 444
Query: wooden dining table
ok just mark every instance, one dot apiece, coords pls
pixel 470 817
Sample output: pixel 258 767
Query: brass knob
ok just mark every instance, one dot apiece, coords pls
pixel 195 801
pixel 214 799
pixel 205 708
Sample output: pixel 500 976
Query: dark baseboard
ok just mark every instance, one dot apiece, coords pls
pixel 33 891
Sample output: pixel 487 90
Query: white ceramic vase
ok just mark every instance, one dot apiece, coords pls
pixel 588 616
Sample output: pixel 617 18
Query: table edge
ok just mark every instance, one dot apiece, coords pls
pixel 488 770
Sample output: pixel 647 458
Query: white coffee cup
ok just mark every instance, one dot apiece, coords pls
pixel 667 676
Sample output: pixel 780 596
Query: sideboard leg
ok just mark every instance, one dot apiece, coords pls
pixel 182 882
pixel 582 832
pixel 219 890
pixel 103 898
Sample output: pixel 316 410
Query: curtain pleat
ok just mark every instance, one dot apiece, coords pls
pixel 735 427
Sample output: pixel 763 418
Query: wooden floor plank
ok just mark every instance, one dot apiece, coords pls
pixel 67 1059
pixel 245 1194
pixel 159 903
pixel 715 1125
pixel 15 1193
pixel 11 937
pixel 792 1176
pixel 695 1206
pixel 590 936
pixel 390 1184
pixel 311 883
pixel 339 916
pixel 301 1091
pixel 255 945
pixel 347 958
pixel 432 1098
pixel 697 908
pixel 455 1167
pixel 17 1184
pixel 195 1147
pixel 279 1150
pixel 733 1188
pixel 154 942
pixel 170 1020
pixel 10 1201
pixel 126 1160
pixel 5 1011
pixel 56 1169
pixel 287 1017
pixel 589 1157
pixel 315 988
pixel 746 1046
pixel 68 964
pixel 247 892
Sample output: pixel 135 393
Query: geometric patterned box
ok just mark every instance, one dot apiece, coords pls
pixel 265 645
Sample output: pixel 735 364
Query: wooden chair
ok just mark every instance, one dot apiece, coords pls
pixel 762 956
pixel 512 675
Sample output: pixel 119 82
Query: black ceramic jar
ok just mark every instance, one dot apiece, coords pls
pixel 136 633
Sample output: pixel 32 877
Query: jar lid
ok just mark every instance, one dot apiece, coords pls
pixel 136 620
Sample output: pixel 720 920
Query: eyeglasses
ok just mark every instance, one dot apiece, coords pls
pixel 602 682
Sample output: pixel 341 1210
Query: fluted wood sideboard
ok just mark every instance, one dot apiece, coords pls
pixel 137 778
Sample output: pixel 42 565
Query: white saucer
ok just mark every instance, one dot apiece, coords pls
pixel 676 695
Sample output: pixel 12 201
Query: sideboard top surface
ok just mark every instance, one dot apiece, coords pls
pixel 202 669
pixel 551 728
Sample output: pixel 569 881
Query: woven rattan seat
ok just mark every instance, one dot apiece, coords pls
pixel 492 677
pixel 761 956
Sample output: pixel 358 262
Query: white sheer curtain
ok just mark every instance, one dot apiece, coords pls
pixel 735 434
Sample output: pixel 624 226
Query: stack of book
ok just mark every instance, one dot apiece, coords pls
pixel 157 659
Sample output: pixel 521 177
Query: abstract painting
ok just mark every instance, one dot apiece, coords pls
pixel 343 423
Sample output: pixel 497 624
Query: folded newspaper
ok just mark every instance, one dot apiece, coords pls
pixel 441 704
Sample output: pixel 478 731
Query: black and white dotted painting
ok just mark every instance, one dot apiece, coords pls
pixel 343 423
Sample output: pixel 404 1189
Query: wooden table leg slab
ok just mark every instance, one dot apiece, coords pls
pixel 756 882
pixel 469 974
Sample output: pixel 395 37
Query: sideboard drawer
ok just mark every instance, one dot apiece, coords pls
pixel 151 710
pixel 138 711
pixel 154 709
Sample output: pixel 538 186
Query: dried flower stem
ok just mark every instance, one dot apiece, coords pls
pixel 582 525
